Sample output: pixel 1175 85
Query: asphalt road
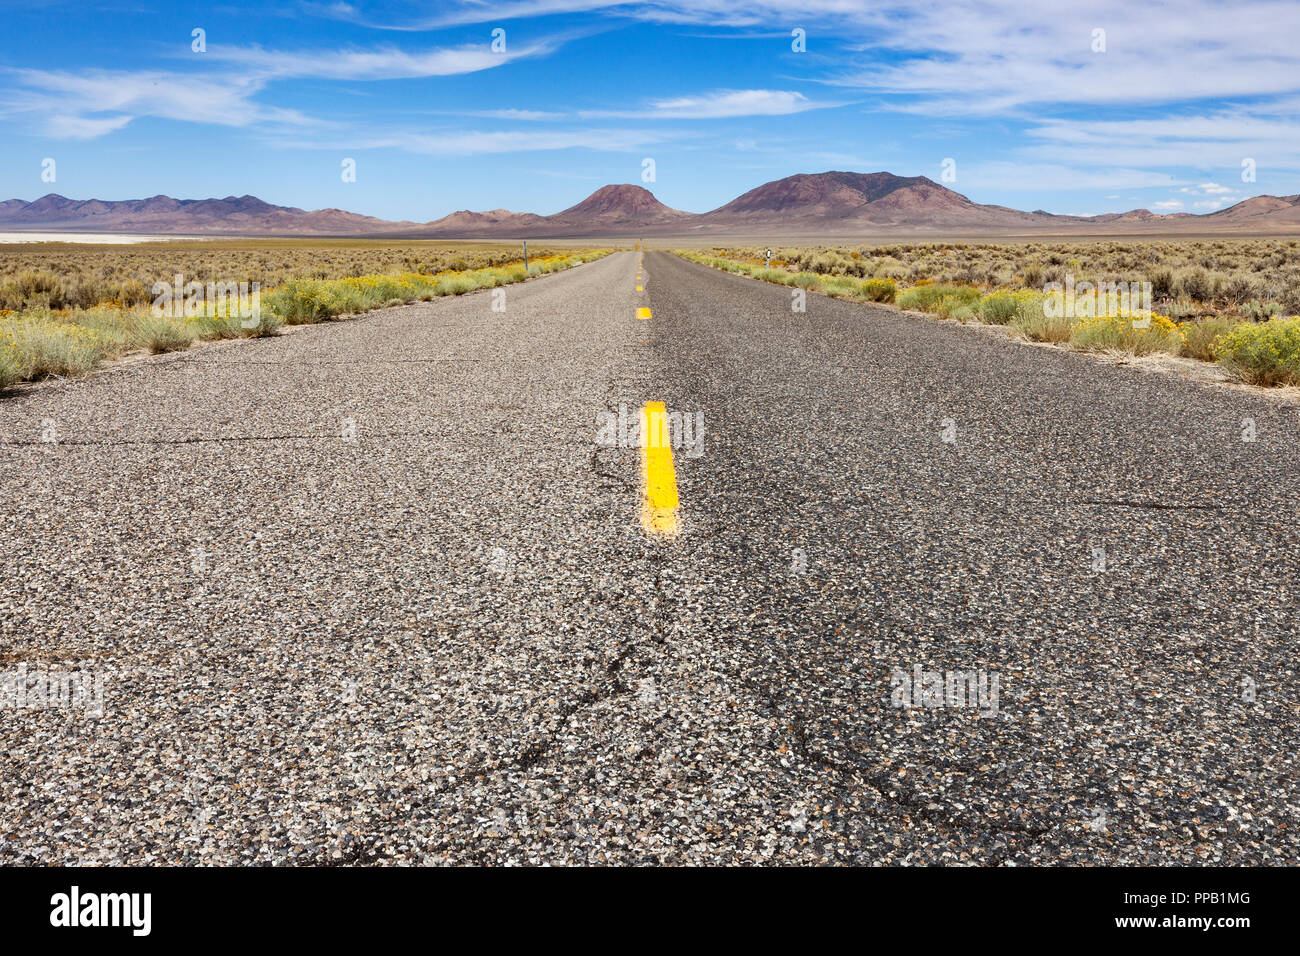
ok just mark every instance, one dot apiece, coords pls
pixel 374 591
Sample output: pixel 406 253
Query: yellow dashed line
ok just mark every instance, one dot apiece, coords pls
pixel 643 313
pixel 659 510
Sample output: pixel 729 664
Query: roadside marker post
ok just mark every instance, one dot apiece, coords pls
pixel 525 255
pixel 769 259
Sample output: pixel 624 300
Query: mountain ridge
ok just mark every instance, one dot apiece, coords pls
pixel 835 202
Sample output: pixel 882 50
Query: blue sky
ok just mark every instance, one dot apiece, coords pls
pixel 1035 106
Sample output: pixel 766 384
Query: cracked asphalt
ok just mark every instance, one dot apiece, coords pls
pixel 372 592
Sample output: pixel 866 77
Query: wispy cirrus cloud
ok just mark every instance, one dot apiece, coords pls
pixel 384 63
pixel 1223 139
pixel 459 142
pixel 474 142
pixel 86 104
pixel 717 104
pixel 722 104
pixel 91 103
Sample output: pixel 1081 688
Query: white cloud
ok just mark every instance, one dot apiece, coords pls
pixel 1058 177
pixel 1168 205
pixel 92 103
pixel 375 64
pixel 72 104
pixel 724 103
pixel 531 115
pixel 63 126
pixel 1221 139
pixel 718 104
pixel 474 142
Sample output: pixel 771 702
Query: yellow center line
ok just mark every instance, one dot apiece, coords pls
pixel 643 313
pixel 659 510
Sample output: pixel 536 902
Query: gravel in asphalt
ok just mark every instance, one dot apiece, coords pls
pixel 372 592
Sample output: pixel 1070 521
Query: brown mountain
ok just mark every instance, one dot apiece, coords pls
pixel 466 223
pixel 609 210
pixel 620 205
pixel 234 215
pixel 1257 209
pixel 832 204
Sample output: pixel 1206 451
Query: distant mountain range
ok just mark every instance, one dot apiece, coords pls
pixel 831 204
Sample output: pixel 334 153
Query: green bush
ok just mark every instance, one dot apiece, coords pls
pixel 162 334
pixel 1118 333
pixel 41 345
pixel 1258 311
pixel 880 290
pixel 837 286
pixel 1263 354
pixel 1201 339
pixel 926 298
pixel 998 308
pixel 1033 322
pixel 10 370
pixel 33 289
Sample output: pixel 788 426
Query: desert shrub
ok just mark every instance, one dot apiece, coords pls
pixel 163 334
pixel 1033 276
pixel 41 345
pixel 86 293
pixel 1034 323
pixel 926 298
pixel 880 290
pixel 806 280
pixel 1124 333
pixel 32 289
pixel 1257 311
pixel 948 306
pixel 840 285
pixel 132 293
pixel 827 264
pixel 1239 287
pixel 1162 282
pixel 216 326
pixel 1200 339
pixel 10 370
pixel 1267 353
pixel 459 285
pixel 998 308
pixel 299 302
pixel 1195 284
